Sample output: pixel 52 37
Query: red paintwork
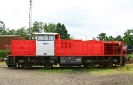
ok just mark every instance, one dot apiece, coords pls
pixel 95 48
pixel 23 48
pixel 69 48
pixel 86 48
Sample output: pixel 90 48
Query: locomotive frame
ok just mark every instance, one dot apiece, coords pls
pixel 49 50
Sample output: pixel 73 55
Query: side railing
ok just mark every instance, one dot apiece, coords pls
pixel 114 50
pixel 8 50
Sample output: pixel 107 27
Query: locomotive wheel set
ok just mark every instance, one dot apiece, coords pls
pixel 49 50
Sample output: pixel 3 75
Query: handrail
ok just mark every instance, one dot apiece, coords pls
pixel 6 47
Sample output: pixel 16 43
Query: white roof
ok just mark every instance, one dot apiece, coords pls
pixel 46 33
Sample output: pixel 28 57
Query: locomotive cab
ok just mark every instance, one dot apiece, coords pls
pixel 45 43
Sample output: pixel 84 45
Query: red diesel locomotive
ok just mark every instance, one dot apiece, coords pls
pixel 49 50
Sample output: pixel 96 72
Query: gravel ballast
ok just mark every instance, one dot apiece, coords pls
pixel 12 76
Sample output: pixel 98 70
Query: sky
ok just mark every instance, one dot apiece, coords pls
pixel 84 19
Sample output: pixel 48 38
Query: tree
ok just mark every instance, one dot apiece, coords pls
pixel 118 38
pixel 57 28
pixel 22 32
pixel 51 27
pixel 94 38
pixel 37 27
pixel 128 37
pixel 61 29
pixel 2 27
pixel 11 32
pixel 128 32
pixel 110 38
pixel 102 36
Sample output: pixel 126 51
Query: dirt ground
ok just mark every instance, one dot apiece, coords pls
pixel 13 76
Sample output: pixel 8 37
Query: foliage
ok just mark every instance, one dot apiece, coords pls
pixel 38 27
pixel 22 32
pixel 128 37
pixel 102 36
pixel 118 38
pixel 110 38
pixel 130 55
pixel 2 27
pixel 61 29
pixel 51 27
pixel 94 38
pixel 10 32
pixel 3 53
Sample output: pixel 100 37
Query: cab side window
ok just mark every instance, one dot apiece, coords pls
pixel 51 38
pixel 40 37
pixel 45 37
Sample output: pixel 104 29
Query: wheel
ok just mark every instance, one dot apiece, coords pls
pixel 89 65
pixel 123 63
pixel 9 66
pixel 86 66
pixel 26 65
pixel 105 66
pixel 48 65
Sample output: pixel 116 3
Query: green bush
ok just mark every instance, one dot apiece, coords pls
pixel 130 56
pixel 3 53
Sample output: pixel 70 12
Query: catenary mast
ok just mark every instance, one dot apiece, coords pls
pixel 30 19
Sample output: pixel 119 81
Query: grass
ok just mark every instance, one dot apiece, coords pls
pixel 128 68
pixel 1 57
pixel 2 63
pixel 130 56
pixel 98 71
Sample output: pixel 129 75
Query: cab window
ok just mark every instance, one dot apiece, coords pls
pixel 51 37
pixel 40 37
pixel 45 37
